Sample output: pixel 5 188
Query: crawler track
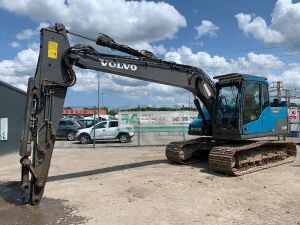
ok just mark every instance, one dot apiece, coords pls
pixel 240 159
pixel 184 152
pixel 234 159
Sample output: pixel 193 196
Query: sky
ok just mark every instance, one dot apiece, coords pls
pixel 254 37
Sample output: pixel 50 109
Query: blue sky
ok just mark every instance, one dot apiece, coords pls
pixel 257 37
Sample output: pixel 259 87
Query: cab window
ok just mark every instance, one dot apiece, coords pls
pixel 252 103
pixel 227 113
pixel 265 96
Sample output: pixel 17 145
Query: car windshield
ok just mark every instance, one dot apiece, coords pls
pixel 80 123
pixel 227 113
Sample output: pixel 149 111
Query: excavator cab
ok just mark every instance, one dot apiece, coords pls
pixel 243 109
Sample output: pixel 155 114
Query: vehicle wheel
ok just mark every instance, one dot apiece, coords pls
pixel 84 139
pixel 124 138
pixel 71 136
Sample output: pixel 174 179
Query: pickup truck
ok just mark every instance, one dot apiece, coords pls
pixel 105 130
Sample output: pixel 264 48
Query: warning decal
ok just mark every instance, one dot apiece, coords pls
pixel 293 113
pixel 52 49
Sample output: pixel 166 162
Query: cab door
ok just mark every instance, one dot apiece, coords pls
pixel 252 108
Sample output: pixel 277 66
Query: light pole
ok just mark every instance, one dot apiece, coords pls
pixel 98 95
pixel 94 141
pixel 102 100
pixel 189 102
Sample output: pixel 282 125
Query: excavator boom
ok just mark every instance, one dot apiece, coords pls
pixel 158 71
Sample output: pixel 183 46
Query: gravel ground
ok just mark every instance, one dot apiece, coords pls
pixel 136 185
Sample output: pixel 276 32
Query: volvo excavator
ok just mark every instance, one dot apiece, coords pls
pixel 233 111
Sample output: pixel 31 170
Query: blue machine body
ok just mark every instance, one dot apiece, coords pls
pixel 273 118
pixel 267 121
pixel 196 126
pixel 235 119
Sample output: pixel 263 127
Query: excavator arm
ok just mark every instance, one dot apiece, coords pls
pixel 153 70
pixel 54 74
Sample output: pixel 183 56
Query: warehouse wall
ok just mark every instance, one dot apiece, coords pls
pixel 12 106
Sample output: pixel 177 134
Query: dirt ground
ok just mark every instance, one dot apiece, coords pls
pixel 130 185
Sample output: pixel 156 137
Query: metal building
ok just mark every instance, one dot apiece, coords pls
pixel 12 109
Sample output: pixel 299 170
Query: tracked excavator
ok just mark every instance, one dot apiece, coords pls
pixel 234 110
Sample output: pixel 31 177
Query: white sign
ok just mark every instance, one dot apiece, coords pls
pixel 3 129
pixel 156 120
pixel 293 113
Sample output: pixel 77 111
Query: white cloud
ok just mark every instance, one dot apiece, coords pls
pixel 290 77
pixel 34 45
pixel 253 63
pixel 258 28
pixel 15 44
pixel 207 28
pixel 42 25
pixel 124 81
pixel 25 34
pixel 140 23
pixel 155 49
pixel 203 60
pixel 16 81
pixel 126 21
pixel 284 26
pixel 266 65
pixel 137 23
pixel 128 87
pixel 17 71
pixel 158 49
pixel 259 64
pixel 29 33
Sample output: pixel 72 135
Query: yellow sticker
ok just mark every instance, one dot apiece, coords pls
pixel 52 49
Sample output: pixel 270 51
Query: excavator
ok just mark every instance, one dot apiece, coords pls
pixel 233 112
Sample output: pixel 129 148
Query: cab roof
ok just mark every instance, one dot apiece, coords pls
pixel 237 76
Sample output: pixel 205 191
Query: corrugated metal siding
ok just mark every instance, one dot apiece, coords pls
pixel 12 106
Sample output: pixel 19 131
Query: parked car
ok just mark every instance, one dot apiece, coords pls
pixel 67 128
pixel 105 130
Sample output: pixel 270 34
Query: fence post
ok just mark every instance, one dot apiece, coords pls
pixel 94 127
pixel 139 135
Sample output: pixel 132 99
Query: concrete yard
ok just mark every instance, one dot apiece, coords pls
pixel 136 185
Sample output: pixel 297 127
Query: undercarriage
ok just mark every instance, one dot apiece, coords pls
pixel 236 158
